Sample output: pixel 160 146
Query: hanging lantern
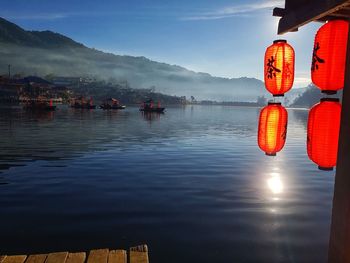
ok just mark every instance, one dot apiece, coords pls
pixel 279 68
pixel 323 133
pixel 329 56
pixel 272 130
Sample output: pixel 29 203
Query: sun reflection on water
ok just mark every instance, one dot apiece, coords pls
pixel 275 183
pixel 276 187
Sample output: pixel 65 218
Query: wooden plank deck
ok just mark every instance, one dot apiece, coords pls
pixel 137 254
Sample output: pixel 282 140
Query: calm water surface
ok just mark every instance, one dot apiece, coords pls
pixel 192 184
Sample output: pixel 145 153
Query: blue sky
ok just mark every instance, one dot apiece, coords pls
pixel 223 38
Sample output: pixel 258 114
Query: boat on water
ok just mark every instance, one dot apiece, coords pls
pixel 39 105
pixel 112 104
pixel 148 106
pixel 82 103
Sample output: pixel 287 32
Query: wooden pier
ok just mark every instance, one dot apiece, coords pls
pixel 137 254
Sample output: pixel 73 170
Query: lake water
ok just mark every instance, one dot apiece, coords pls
pixel 192 184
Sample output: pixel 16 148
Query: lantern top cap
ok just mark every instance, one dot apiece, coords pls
pixel 279 41
pixel 330 99
pixel 274 103
pixel 335 19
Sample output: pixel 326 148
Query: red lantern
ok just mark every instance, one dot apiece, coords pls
pixel 272 130
pixel 323 133
pixel 279 68
pixel 329 56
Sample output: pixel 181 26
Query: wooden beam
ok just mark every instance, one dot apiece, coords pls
pixel 339 250
pixel 314 10
pixel 326 18
pixel 339 15
pixel 277 11
pixel 342 12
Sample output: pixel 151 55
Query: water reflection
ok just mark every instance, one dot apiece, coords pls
pixel 39 116
pixel 151 116
pixel 275 183
pixel 300 115
pixel 194 179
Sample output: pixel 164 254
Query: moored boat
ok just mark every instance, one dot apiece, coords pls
pixel 148 106
pixel 39 105
pixel 81 103
pixel 112 107
pixel 112 104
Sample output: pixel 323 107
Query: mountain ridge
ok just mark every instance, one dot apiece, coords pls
pixel 12 33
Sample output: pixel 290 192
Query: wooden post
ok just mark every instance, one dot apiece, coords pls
pixel 339 244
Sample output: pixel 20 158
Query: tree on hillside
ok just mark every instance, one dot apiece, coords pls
pixel 310 97
pixel 261 100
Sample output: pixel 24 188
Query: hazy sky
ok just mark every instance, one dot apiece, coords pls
pixel 221 37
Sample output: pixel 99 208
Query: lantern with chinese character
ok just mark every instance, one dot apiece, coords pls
pixel 272 128
pixel 279 68
pixel 329 56
pixel 323 133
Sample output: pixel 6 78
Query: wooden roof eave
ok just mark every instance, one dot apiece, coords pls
pixel 315 10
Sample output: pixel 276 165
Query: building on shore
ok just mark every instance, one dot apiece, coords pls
pixel 31 87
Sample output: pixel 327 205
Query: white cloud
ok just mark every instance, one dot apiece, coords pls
pixel 54 16
pixel 235 10
pixel 42 16
pixel 302 81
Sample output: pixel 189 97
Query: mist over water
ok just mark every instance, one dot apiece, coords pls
pixel 139 72
pixel 192 184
